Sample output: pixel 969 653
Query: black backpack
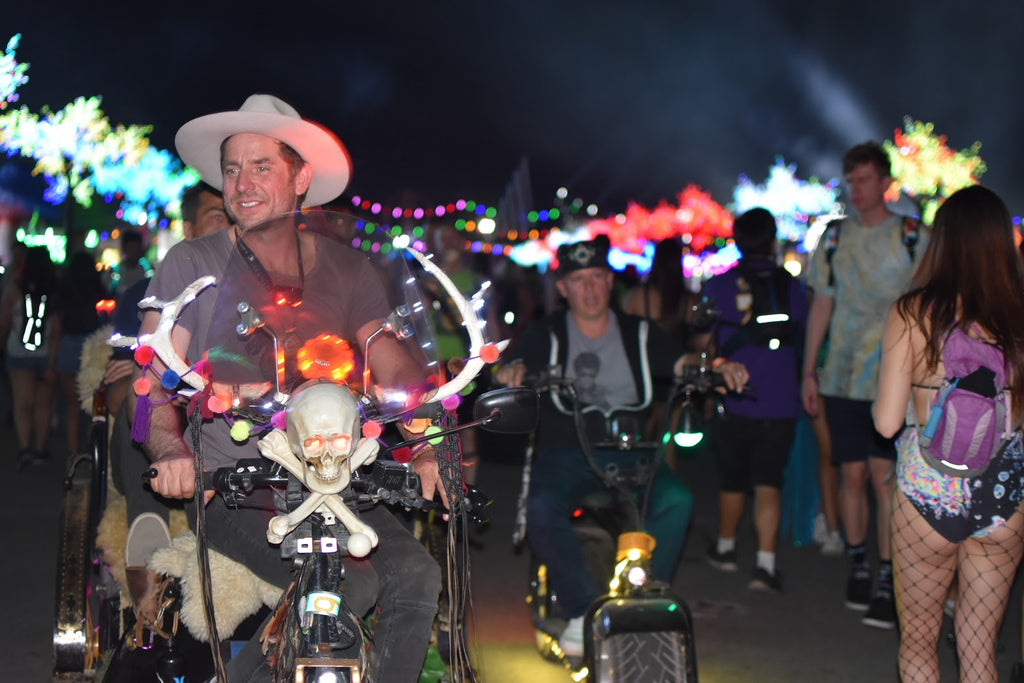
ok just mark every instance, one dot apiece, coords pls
pixel 768 323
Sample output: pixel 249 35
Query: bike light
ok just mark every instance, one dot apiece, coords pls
pixel 687 436
pixel 636 576
pixel 687 440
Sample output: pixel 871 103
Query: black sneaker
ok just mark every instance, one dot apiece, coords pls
pixel 763 580
pixel 882 611
pixel 725 562
pixel 858 588
pixel 25 458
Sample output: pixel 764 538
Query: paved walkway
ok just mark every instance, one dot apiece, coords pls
pixel 805 634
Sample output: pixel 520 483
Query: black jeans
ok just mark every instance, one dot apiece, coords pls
pixel 399 577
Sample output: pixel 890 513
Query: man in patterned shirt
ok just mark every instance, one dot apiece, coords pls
pixel 855 278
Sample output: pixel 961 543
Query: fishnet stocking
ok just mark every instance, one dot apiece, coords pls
pixel 924 565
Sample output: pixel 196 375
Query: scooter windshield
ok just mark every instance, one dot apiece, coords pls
pixel 296 306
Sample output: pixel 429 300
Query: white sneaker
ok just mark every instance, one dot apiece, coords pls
pixel 820 529
pixel 833 544
pixel 571 640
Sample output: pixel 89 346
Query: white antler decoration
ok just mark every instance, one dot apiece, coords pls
pixel 472 323
pixel 160 339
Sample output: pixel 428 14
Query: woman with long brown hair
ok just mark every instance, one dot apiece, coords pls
pixel 945 526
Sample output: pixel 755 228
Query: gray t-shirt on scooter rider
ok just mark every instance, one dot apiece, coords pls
pixel 599 367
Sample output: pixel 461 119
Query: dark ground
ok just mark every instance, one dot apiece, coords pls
pixel 804 634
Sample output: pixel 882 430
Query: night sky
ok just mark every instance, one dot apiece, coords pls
pixel 617 101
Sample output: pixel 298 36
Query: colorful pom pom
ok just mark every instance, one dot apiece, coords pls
pixel 489 353
pixel 218 404
pixel 433 429
pixel 169 380
pixel 144 355
pixel 403 454
pixel 241 430
pixel 372 429
pixel 468 389
pixel 202 368
pixel 279 420
pixel 451 402
pixel 142 386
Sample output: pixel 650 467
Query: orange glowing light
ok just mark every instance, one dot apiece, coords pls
pixel 326 357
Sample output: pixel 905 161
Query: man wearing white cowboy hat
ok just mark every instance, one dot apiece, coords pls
pixel 268 162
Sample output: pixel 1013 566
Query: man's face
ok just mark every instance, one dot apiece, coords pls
pixel 588 291
pixel 866 187
pixel 258 183
pixel 210 217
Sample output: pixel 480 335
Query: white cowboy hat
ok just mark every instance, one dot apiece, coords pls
pixel 198 143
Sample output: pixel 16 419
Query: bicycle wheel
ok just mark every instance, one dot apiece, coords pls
pixel 87 620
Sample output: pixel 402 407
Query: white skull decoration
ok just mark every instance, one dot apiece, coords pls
pixel 323 429
pixel 321 445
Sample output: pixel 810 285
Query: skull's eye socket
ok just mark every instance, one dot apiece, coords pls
pixel 341 443
pixel 314 444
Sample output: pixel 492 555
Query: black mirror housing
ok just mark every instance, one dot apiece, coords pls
pixel 512 410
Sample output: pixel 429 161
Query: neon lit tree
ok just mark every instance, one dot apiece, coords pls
pixel 792 201
pixel 926 169
pixel 699 220
pixel 12 74
pixel 80 153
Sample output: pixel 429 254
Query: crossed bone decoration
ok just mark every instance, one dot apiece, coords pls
pixel 319 447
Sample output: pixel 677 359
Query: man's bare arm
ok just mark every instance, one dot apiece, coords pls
pixel 818 319
pixel 165 446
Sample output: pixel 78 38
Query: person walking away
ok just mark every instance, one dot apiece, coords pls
pixel 858 270
pixel 763 315
pixel 31 328
pixel 664 300
pixel 82 289
pixel 953 369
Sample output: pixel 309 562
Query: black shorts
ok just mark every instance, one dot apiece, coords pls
pixel 753 452
pixel 852 432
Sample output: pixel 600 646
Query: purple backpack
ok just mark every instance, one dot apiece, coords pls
pixel 969 421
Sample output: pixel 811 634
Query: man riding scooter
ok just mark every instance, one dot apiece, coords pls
pixel 615 358
pixel 269 162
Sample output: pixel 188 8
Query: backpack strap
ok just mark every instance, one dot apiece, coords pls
pixel 911 235
pixel 831 242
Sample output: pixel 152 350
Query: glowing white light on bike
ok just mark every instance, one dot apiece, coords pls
pixel 772 318
pixel 774 344
pixel 510 317
pixel 636 576
pixel 688 440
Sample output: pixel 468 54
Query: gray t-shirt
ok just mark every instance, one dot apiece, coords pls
pixel 599 367
pixel 341 293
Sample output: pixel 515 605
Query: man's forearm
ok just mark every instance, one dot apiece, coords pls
pixel 818 319
pixel 164 426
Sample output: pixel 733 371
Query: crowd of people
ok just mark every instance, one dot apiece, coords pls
pixel 821 347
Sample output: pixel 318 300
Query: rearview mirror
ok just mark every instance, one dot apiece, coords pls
pixel 512 410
